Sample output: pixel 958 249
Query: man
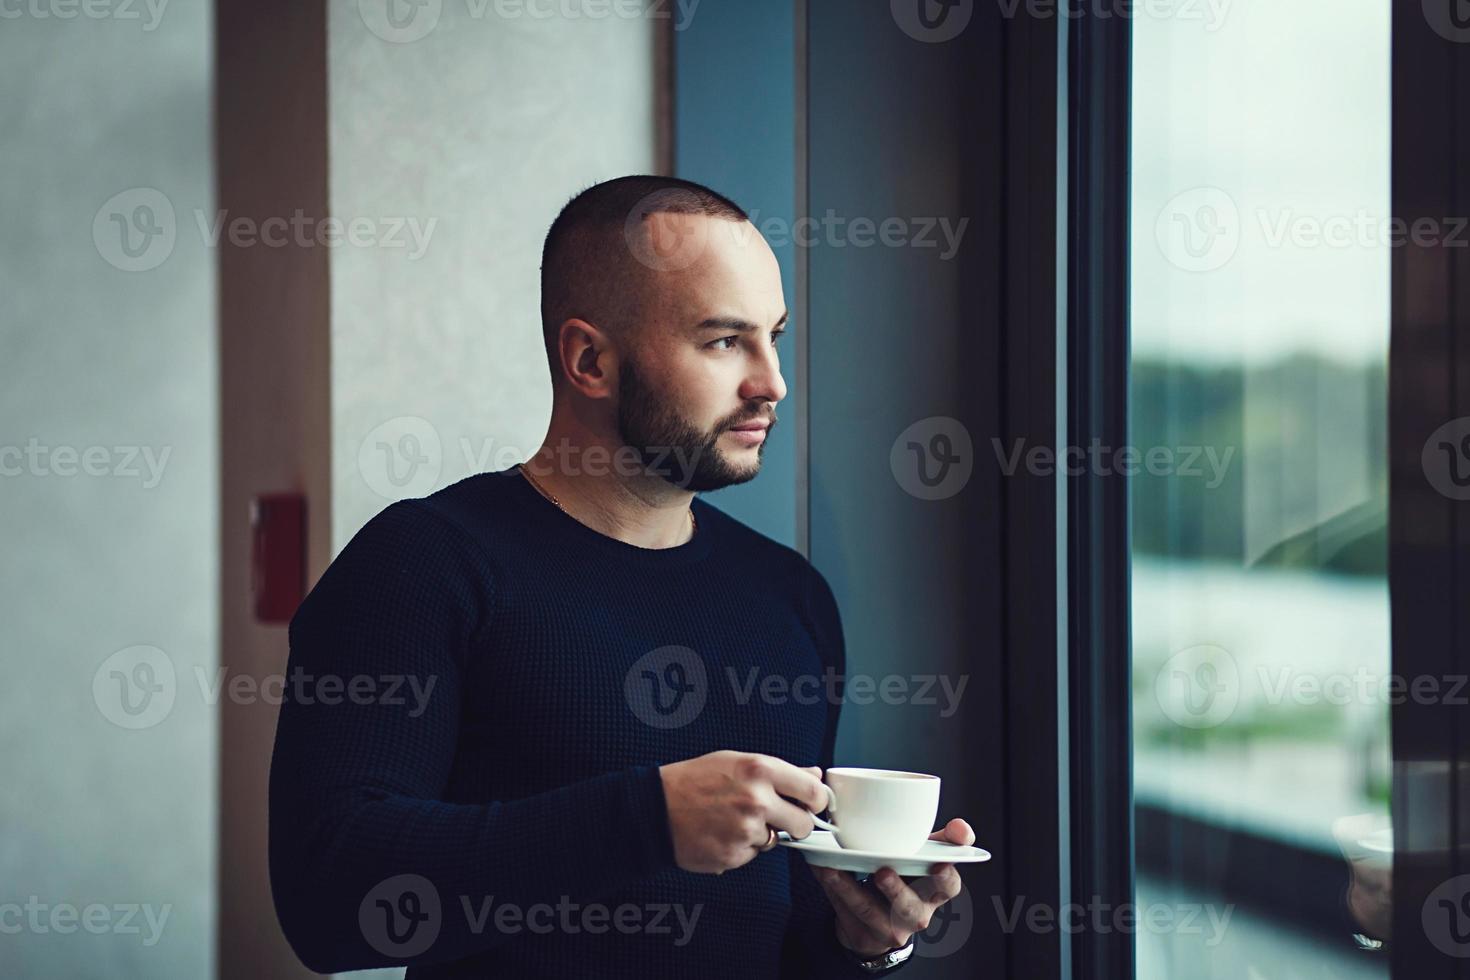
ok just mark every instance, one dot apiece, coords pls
pixel 588 785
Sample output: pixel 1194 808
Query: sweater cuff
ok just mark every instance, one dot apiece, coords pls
pixel 649 809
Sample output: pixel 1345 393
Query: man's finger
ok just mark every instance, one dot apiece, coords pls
pixel 957 831
pixel 907 911
pixel 793 819
pixel 850 926
pixel 800 785
pixel 942 883
pixel 865 905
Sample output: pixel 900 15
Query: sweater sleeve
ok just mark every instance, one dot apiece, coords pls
pixel 369 865
pixel 810 948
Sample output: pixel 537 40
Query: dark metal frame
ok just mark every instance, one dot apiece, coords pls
pixel 1031 345
pixel 1064 348
pixel 1098 520
pixel 1429 534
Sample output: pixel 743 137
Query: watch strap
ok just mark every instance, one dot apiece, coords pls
pixel 883 962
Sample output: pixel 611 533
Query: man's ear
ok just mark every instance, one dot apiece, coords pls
pixel 586 357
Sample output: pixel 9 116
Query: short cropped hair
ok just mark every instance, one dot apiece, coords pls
pixel 587 267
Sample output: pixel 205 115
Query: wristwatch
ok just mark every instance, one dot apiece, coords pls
pixel 883 962
pixel 1361 940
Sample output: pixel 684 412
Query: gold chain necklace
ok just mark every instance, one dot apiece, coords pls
pixel 526 472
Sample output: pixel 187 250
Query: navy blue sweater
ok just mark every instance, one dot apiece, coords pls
pixel 479 692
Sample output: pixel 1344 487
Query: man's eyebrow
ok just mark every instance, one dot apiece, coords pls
pixel 734 323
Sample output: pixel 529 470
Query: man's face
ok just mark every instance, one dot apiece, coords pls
pixel 705 361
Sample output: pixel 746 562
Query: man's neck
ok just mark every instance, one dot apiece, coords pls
pixel 643 510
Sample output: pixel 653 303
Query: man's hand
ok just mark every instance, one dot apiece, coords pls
pixel 871 922
pixel 1370 886
pixel 721 803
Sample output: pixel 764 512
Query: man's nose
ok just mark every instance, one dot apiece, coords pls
pixel 764 383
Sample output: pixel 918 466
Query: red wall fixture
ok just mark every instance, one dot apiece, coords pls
pixel 277 555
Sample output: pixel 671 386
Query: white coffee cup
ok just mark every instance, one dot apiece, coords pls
pixel 882 810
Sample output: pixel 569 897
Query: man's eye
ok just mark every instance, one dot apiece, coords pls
pixel 775 336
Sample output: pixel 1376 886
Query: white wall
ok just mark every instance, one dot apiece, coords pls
pixel 92 355
pixel 478 131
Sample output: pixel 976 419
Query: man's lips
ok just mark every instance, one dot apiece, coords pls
pixel 751 433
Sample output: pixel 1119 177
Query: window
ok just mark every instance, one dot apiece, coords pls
pixel 1260 324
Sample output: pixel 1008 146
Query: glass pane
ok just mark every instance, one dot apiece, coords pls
pixel 1260 291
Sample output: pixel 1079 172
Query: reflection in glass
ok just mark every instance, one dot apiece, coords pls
pixel 1260 289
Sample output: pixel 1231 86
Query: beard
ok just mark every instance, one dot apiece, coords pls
pixel 672 447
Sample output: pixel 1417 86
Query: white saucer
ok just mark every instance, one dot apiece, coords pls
pixel 822 850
